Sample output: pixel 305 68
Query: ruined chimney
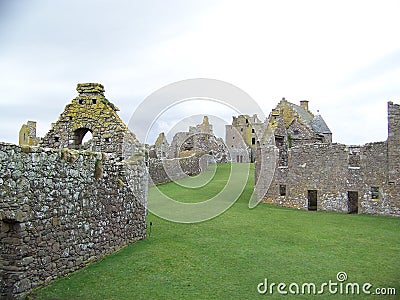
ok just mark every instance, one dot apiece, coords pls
pixel 304 104
pixel 90 88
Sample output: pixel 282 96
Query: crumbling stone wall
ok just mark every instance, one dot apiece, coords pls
pixel 348 179
pixel 161 147
pixel 27 134
pixel 242 136
pixel 61 209
pixel 199 138
pixel 394 143
pixel 326 169
pixel 167 170
pixel 92 112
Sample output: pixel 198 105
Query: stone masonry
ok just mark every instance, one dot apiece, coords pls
pixel 200 139
pixel 336 177
pixel 242 136
pixel 167 170
pixel 91 112
pixel 68 203
pixel 62 209
pixel 27 134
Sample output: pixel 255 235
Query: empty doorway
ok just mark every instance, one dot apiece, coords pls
pixel 312 199
pixel 352 202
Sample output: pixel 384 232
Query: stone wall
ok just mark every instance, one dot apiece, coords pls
pixel 91 112
pixel 27 134
pixel 348 179
pixel 61 209
pixel 330 170
pixel 167 170
pixel 241 137
pixel 394 142
pixel 199 138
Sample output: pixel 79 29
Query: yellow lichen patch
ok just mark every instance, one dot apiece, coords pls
pixel 287 113
pixel 91 112
pixel 98 169
pixel 25 148
pixel 120 183
pixel 160 139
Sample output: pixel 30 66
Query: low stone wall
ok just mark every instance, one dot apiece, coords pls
pixel 62 209
pixel 167 170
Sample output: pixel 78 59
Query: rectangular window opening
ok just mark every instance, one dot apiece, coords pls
pixel 282 189
pixel 375 192
pixel 354 158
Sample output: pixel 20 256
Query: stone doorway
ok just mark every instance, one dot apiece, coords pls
pixel 352 197
pixel 312 200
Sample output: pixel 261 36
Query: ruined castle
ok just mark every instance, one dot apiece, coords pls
pixel 68 200
pixel 313 173
pixel 241 137
pixel 65 203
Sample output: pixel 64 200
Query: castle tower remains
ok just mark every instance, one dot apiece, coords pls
pixel 394 142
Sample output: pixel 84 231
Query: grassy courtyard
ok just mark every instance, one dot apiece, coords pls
pixel 228 256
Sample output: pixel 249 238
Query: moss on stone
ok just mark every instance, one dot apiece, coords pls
pixel 120 183
pixel 98 169
pixel 26 149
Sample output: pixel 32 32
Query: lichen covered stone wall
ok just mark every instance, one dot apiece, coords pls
pixel 335 177
pixel 27 134
pixel 61 209
pixel 167 170
pixel 92 112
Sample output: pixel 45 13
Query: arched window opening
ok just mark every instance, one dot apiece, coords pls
pixel 82 138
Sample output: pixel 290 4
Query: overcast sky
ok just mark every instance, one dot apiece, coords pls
pixel 342 56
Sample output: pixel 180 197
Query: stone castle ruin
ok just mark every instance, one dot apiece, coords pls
pixel 313 173
pixel 27 134
pixel 242 136
pixel 64 203
pixel 189 153
pixel 199 138
pixel 91 112
pixel 68 200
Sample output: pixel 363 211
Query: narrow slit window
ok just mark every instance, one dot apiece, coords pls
pixel 282 189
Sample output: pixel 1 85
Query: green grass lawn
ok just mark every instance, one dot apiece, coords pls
pixel 228 256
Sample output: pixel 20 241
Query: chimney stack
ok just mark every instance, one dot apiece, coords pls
pixel 304 104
